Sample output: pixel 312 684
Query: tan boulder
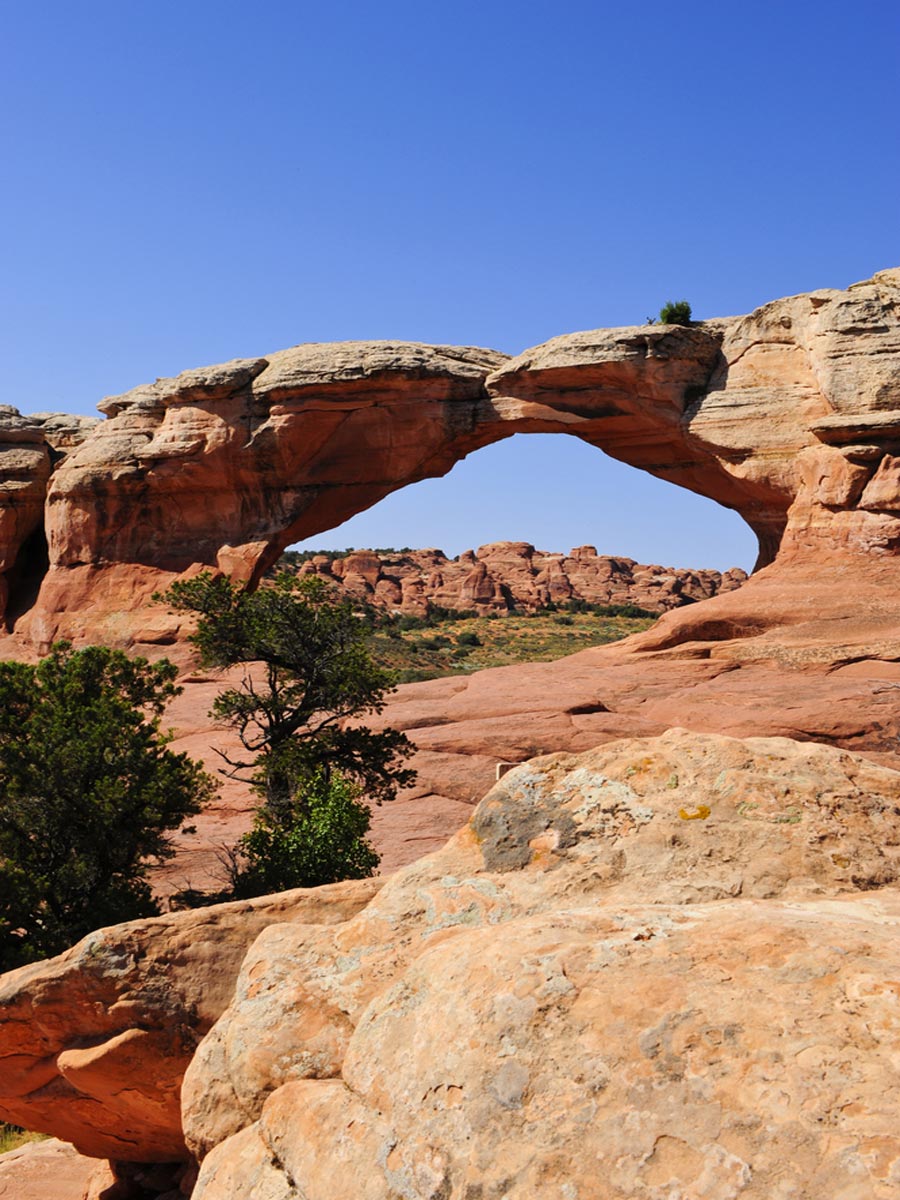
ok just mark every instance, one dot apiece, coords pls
pixel 94 1043
pixel 720 1051
pixel 52 1170
pixel 665 963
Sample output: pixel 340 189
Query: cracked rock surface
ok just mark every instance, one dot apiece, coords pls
pixel 665 964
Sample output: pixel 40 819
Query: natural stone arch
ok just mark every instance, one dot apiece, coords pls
pixel 552 495
pixel 788 416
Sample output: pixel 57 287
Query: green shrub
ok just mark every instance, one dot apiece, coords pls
pixel 89 793
pixel 320 839
pixel 622 610
pixel 438 642
pixel 675 312
pixel 469 638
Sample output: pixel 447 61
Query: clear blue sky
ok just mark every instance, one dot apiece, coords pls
pixel 189 182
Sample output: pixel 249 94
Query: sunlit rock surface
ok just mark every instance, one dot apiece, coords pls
pixel 790 416
pixel 94 1043
pixel 665 964
pixel 502 576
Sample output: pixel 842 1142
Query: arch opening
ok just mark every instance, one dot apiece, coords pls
pixel 555 493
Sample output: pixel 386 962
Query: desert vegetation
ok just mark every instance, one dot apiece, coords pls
pixel 675 312
pixel 307 756
pixel 12 1136
pixel 89 795
pixel 450 642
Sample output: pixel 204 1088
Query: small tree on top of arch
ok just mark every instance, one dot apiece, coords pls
pixel 675 312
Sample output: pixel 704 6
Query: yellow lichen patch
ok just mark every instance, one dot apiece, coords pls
pixel 543 847
pixel 701 813
pixel 638 767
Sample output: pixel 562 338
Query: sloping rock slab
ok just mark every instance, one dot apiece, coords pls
pixel 51 1170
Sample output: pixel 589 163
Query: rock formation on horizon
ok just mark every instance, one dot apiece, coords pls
pixel 504 576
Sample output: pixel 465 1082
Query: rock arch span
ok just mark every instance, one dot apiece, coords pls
pixel 790 416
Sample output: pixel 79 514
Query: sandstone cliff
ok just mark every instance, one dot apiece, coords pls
pixel 664 967
pixel 29 449
pixel 503 576
pixel 789 415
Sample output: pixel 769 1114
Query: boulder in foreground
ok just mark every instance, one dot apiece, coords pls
pixel 665 964
pixel 94 1043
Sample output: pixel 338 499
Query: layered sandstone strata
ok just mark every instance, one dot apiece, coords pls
pixel 788 416
pixel 503 576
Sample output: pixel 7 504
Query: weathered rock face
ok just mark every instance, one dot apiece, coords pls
pixel 94 1043
pixel 788 416
pixel 503 576
pixel 211 468
pixel 669 964
pixel 24 472
pixel 660 1052
pixel 665 964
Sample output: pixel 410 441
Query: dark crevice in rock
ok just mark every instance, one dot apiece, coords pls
pixel 25 578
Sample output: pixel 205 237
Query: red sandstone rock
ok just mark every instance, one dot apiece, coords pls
pixel 787 415
pixel 568 858
pixel 400 1025
pixel 94 1043
pixel 24 471
pixel 29 448
pixel 506 575
pixel 783 655
pixel 156 486
pixel 794 428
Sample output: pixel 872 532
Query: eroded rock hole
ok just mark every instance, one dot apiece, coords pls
pixel 24 580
